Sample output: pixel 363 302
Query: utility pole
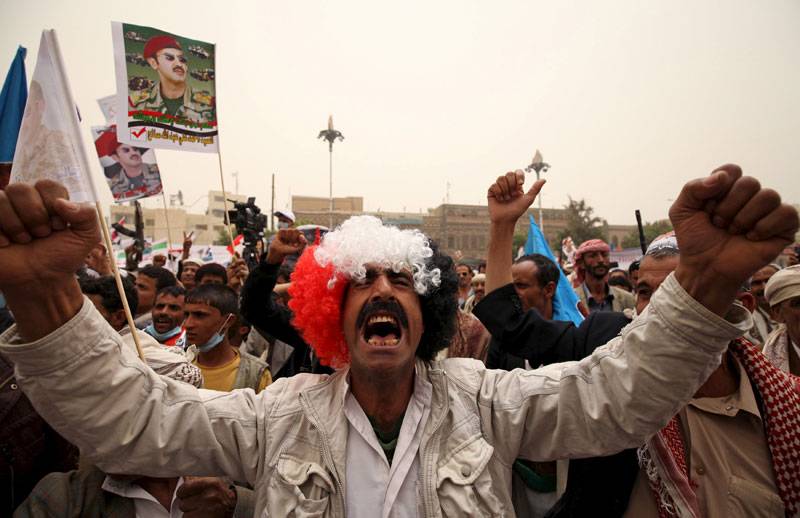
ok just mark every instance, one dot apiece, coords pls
pixel 272 218
pixel 538 166
pixel 331 135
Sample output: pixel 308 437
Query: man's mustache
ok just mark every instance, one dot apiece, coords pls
pixel 389 307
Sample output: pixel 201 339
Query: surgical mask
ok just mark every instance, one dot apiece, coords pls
pixel 151 330
pixel 216 339
pixel 283 224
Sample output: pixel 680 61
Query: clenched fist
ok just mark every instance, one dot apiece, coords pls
pixel 287 241
pixel 43 236
pixel 44 239
pixel 727 227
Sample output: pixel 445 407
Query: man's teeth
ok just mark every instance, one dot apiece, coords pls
pixel 381 318
pixel 378 342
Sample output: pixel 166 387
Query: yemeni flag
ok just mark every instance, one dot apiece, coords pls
pixel 237 246
pixel 115 237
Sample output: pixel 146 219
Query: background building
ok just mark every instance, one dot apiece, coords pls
pixel 455 227
pixel 316 211
pixel 466 227
pixel 206 227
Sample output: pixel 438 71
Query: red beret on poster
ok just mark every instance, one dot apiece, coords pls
pixel 157 43
pixel 107 143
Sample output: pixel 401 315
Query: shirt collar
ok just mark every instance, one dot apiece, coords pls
pixel 609 294
pixel 128 488
pixel 743 399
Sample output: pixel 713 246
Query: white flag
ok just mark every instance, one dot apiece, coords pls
pixel 49 143
pixel 108 107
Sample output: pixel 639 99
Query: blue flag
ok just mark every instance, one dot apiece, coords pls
pixel 565 302
pixel 12 105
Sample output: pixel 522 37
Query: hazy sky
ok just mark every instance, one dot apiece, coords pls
pixel 625 99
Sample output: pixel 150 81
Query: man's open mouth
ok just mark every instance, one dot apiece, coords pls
pixel 382 330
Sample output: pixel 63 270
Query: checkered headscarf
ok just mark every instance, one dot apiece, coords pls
pixel 664 456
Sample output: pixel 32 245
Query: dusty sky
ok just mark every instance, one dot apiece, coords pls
pixel 625 99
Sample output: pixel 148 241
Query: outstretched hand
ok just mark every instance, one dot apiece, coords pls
pixel 508 201
pixel 727 227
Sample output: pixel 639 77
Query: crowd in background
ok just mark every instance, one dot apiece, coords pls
pixel 225 327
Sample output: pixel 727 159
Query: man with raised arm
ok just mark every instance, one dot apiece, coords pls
pixel 392 432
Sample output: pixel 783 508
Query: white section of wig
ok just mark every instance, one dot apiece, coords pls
pixel 363 240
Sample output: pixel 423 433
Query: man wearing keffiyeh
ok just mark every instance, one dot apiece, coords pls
pixel 590 282
pixel 782 347
pixel 734 450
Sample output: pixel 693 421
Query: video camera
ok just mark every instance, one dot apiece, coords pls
pixel 250 223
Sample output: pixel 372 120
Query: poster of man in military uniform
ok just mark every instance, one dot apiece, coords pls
pixel 131 172
pixel 165 89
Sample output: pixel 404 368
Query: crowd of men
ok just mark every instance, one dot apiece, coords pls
pixel 371 374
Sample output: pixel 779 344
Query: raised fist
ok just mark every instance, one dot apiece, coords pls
pixel 508 201
pixel 287 241
pixel 44 238
pixel 727 227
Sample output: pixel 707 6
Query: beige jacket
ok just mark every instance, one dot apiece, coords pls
pixel 289 440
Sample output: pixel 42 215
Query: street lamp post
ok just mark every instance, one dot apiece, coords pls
pixel 538 166
pixel 331 135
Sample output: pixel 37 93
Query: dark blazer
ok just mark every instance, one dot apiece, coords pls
pixel 599 486
pixel 258 306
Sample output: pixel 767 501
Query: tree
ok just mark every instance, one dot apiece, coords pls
pixel 582 224
pixel 222 239
pixel 651 231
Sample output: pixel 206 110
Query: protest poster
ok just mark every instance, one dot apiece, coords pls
pixel 130 171
pixel 49 145
pixel 108 105
pixel 165 88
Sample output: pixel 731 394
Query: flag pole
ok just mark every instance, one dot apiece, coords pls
pixel 166 218
pixel 226 219
pixel 74 126
pixel 118 279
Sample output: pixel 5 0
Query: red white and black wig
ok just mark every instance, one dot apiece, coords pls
pixel 320 279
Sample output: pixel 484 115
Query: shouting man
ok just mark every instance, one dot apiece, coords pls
pixel 392 432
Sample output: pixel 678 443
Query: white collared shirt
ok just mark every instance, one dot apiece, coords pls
pixel 373 487
pixel 145 504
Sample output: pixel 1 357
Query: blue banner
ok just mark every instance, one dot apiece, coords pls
pixel 565 301
pixel 12 105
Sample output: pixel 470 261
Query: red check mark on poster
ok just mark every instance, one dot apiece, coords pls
pixel 139 133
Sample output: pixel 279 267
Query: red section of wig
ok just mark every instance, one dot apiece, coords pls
pixel 317 309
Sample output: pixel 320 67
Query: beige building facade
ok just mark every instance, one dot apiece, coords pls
pixel 206 227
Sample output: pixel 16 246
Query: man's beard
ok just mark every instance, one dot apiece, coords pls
pixel 599 271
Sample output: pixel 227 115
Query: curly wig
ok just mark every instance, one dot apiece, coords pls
pixel 320 279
